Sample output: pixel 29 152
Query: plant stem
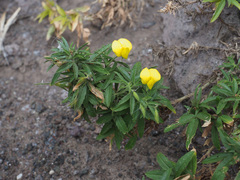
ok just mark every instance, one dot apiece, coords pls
pixel 189 95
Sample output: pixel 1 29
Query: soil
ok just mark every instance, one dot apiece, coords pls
pixel 38 138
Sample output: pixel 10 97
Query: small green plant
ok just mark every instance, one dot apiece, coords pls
pixel 100 86
pixel 219 5
pixel 185 168
pixel 219 114
pixel 60 20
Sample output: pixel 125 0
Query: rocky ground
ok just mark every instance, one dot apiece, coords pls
pixel 39 140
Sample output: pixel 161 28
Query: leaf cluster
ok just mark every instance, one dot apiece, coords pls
pixel 185 167
pixel 219 5
pixel 100 86
pixel 219 115
pixel 60 19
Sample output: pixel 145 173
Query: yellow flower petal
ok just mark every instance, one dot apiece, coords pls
pixel 117 48
pixel 155 77
pixel 150 83
pixel 125 52
pixel 145 75
pixel 125 43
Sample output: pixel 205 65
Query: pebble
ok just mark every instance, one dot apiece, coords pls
pixel 147 25
pixel 59 160
pixel 51 172
pixel 1 161
pixel 19 176
pixel 83 172
pixel 76 131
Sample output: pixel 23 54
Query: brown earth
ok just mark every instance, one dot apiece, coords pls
pixel 39 140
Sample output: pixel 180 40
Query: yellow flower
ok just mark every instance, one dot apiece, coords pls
pixel 150 77
pixel 145 75
pixel 122 47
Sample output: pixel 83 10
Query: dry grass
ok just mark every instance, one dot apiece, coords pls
pixel 119 12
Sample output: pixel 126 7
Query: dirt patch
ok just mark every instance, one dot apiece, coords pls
pixel 39 139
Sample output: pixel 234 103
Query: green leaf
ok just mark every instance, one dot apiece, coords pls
pixel 192 166
pixel 120 123
pixel 238 176
pixel 64 67
pixel 191 131
pixel 105 118
pixel 166 175
pixel 204 116
pixel 235 86
pixel 155 174
pixel 108 95
pixel 141 126
pixel 121 107
pixel 132 105
pixel 215 137
pixel 218 10
pixel 81 96
pixel 222 168
pixel 183 163
pixel 60 10
pixel 156 115
pixel 123 71
pixel 55 78
pixel 50 67
pixel 226 75
pixel 227 119
pixel 169 106
pixel 199 96
pixel 75 70
pixel 163 162
pixel 136 71
pixel 106 134
pixel 123 100
pixel 221 106
pixel 131 143
pixel 118 138
pixel 219 174
pixel 171 127
pixel 209 99
pixel 136 96
pixel 106 127
pixel 235 3
pixel 235 106
pixel 211 1
pixel 216 158
pixel 50 32
pixel 226 87
pixel 186 118
pixel 143 110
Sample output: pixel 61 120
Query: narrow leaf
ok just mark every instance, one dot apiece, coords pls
pixel 191 131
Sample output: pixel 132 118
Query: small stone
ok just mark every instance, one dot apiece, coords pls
pixel 93 171
pixel 76 172
pixel 75 132
pixel 120 175
pixel 83 172
pixel 19 176
pixel 51 172
pixel 11 49
pixel 59 160
pixel 39 107
pixel 17 64
pixel 155 133
pixel 147 25
pixel 1 161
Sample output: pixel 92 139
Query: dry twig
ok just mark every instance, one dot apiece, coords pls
pixel 4 28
